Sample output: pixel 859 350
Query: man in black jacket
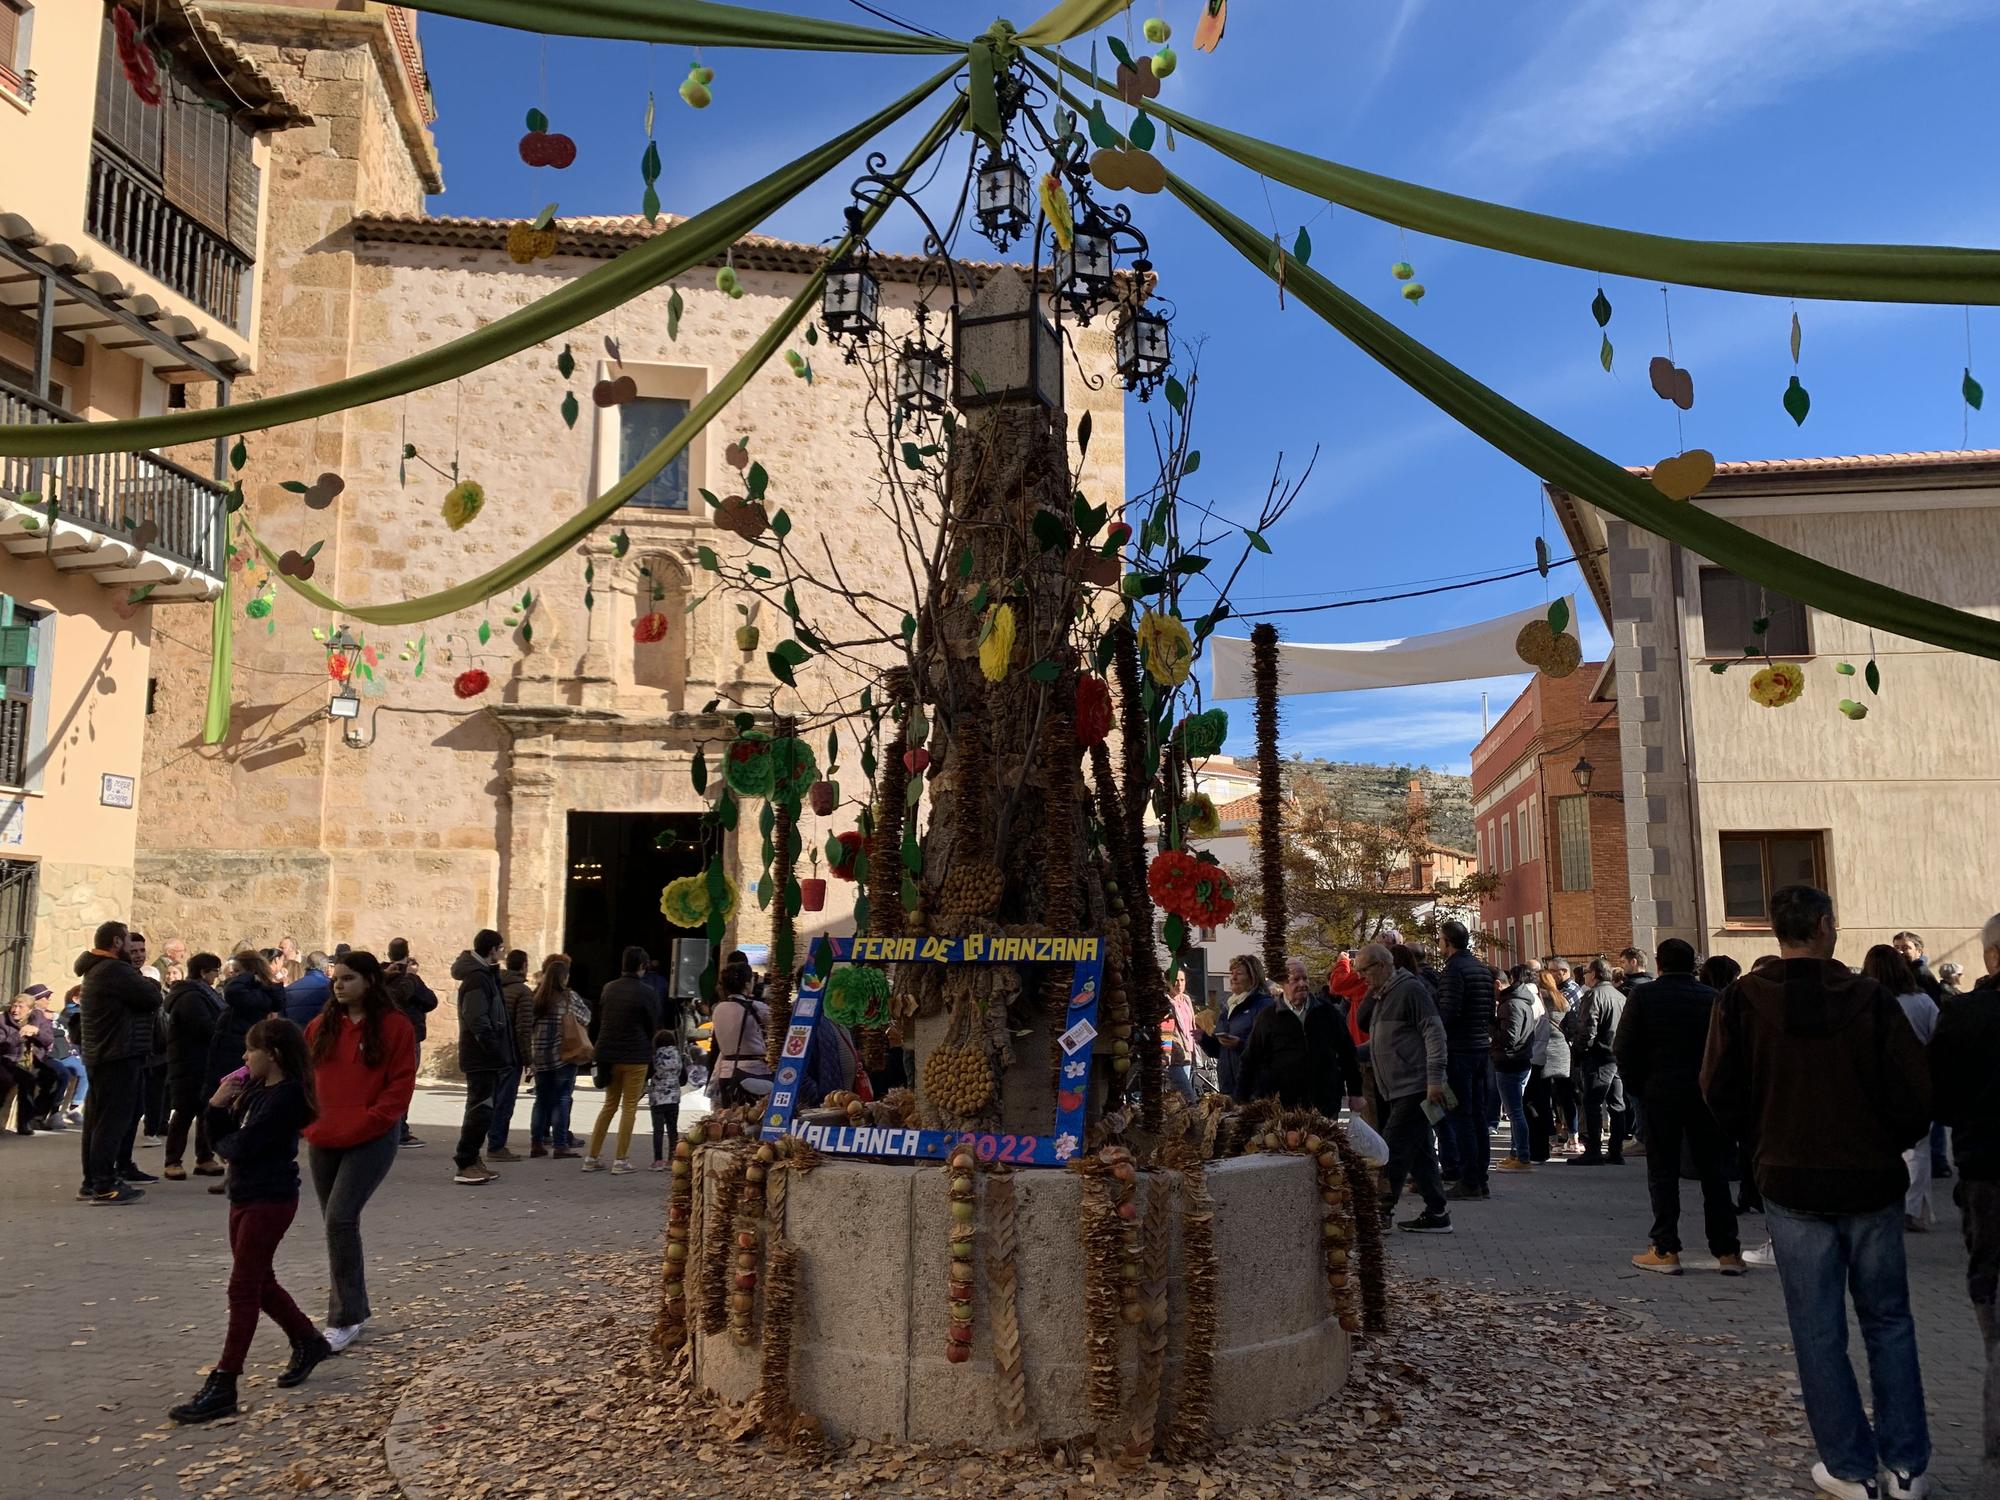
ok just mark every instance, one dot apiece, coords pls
pixel 1659 1047
pixel 118 1009
pixel 1465 1005
pixel 1965 1061
pixel 1295 1051
pixel 415 999
pixel 485 1050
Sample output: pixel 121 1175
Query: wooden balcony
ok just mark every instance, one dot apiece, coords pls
pixel 130 215
pixel 129 519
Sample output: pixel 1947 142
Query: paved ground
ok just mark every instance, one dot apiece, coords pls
pixel 117 1311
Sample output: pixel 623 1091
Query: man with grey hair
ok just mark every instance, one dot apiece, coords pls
pixel 1595 1066
pixel 305 997
pixel 1558 966
pixel 1965 1059
pixel 1407 1051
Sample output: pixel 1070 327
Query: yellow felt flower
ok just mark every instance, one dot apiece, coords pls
pixel 1776 685
pixel 464 501
pixel 684 902
pixel 1168 649
pixel 1204 821
pixel 996 646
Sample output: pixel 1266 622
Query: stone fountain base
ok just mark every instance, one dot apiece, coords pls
pixel 869 1327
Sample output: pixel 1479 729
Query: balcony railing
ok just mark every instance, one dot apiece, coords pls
pixel 118 493
pixel 134 218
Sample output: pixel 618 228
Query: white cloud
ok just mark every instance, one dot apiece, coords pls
pixel 1614 81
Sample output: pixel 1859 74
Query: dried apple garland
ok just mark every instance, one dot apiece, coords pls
pixel 774 1388
pixel 748 1233
pixel 1270 797
pixel 670 1332
pixel 961 1184
pixel 717 1226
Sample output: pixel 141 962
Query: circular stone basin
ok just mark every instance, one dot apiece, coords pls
pixel 868 1333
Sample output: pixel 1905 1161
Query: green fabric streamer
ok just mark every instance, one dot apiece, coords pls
pixel 548 549
pixel 1071 18
pixel 1563 461
pixel 687 23
pixel 704 237
pixel 221 661
pixel 1859 273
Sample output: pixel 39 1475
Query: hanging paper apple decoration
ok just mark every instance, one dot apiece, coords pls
pixel 471 683
pixel 694 88
pixel 541 149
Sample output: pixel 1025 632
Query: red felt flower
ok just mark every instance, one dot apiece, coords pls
pixel 471 683
pixel 1093 710
pixel 649 628
pixel 337 667
pixel 850 853
pixel 142 71
pixel 1198 891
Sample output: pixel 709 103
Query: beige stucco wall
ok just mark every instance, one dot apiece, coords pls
pixel 454 816
pixel 46 146
pixel 1905 799
pixel 94 681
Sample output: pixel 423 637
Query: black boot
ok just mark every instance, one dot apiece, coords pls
pixel 305 1354
pixel 216 1398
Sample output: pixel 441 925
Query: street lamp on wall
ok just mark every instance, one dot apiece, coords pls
pixel 1584 771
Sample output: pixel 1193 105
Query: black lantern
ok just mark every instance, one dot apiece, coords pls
pixel 921 366
pixel 1084 274
pixel 1005 205
pixel 1140 346
pixel 1583 770
pixel 851 305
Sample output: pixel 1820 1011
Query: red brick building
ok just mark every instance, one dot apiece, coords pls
pixel 1558 848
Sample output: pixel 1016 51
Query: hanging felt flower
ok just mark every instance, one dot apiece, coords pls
pixel 1195 889
pixel 258 608
pixel 1093 710
pixel 793 769
pixel 1778 684
pixel 142 69
pixel 1202 734
pixel 857 996
pixel 649 628
pixel 996 642
pixel 1200 818
pixel 684 902
pixel 750 769
pixel 1055 208
pixel 1168 649
pixel 337 667
pixel 462 502
pixel 841 866
pixel 471 683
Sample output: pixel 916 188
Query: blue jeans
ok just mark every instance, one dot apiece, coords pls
pixel 73 1065
pixel 1469 1074
pixel 505 1088
pixel 564 1135
pixel 1181 1077
pixel 1821 1259
pixel 1513 1089
pixel 553 1087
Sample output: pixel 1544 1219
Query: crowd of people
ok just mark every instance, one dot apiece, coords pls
pixel 1831 1097
pixel 271 1051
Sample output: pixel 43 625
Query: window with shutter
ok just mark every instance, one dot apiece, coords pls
pixel 13 33
pixel 243 190
pixel 197 160
pixel 124 120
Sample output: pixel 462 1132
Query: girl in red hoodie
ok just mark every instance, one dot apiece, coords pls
pixel 364 1057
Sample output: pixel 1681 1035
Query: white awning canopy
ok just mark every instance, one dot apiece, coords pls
pixel 1483 649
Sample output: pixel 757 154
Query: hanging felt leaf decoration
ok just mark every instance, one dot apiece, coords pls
pixel 1872 675
pixel 569 408
pixel 1973 392
pixel 565 363
pixel 1604 352
pixel 1600 308
pixel 1796 338
pixel 1142 133
pixel 1302 246
pixel 1797 402
pixel 1542 557
pixel 1055 208
pixel 1101 133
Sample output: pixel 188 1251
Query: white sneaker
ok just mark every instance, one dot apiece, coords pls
pixel 338 1339
pixel 592 1164
pixel 1763 1255
pixel 621 1165
pixel 1902 1486
pixel 1846 1489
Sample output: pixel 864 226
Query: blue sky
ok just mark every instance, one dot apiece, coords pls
pixel 1727 119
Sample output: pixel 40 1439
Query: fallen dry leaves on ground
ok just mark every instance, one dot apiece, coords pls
pixel 1474 1394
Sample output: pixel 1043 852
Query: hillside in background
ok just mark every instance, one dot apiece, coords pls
pixel 1376 792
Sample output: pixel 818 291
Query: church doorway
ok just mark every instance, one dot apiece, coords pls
pixel 615 870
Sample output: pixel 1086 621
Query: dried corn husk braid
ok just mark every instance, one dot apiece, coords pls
pixel 784 941
pixel 1270 796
